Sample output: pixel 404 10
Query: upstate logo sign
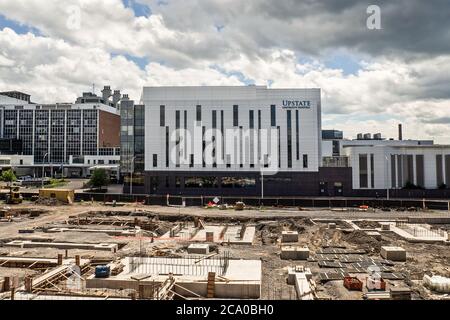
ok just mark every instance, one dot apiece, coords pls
pixel 297 104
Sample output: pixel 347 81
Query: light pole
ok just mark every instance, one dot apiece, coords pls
pixel 43 169
pixel 131 175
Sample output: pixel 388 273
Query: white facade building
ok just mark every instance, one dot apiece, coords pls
pixel 395 164
pixel 217 140
pixel 294 113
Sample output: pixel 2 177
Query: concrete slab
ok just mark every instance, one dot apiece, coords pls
pixel 393 253
pixel 302 287
pixel 419 233
pixel 111 232
pixel 289 236
pixel 198 248
pixel 241 279
pixel 294 253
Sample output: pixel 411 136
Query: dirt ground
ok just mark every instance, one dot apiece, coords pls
pixel 269 223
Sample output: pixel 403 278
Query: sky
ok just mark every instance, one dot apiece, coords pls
pixel 371 79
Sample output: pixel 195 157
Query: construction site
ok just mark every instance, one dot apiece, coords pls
pixel 131 251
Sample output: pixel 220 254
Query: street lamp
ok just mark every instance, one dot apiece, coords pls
pixel 43 169
pixel 131 174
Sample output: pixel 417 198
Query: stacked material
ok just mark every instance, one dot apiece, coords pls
pixel 437 283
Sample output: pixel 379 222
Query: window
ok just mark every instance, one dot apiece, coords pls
pixel 238 182
pixel 191 161
pixel 214 119
pixel 305 161
pixel 420 170
pixel 372 175
pixel 200 182
pixel 259 119
pixel 167 147
pixel 155 160
pixel 289 139
pixel 177 119
pixel 235 115
pixel 363 171
pixel 439 173
pixel 162 116
pixel 21 161
pixel 273 120
pixel 199 113
pixel 297 138
pixel 251 119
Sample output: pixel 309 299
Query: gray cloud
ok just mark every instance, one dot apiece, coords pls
pixel 410 28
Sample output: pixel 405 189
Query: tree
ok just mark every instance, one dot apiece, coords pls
pixel 99 178
pixel 8 176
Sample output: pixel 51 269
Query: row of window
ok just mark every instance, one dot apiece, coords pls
pixel 198 116
pixel 209 182
pixel 228 162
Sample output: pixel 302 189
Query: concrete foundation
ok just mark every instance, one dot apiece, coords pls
pixel 293 271
pixel 289 236
pixel 241 279
pixel 113 247
pixel 294 253
pixel 385 226
pixel 302 287
pixel 216 233
pixel 111 232
pixel 198 248
pixel 393 253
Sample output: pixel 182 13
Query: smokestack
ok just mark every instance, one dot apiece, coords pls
pixel 400 133
pixel 106 93
pixel 116 97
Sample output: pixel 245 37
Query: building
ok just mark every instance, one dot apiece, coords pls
pixel 63 136
pixel 398 164
pixel 132 135
pixel 224 140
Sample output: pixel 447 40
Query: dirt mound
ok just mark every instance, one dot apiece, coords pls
pixel 369 243
pixel 50 202
pixel 365 224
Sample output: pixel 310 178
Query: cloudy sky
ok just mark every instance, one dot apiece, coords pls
pixel 371 79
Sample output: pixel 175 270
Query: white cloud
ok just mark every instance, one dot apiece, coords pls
pixel 185 48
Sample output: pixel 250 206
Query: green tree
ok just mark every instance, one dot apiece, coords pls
pixel 99 178
pixel 8 176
